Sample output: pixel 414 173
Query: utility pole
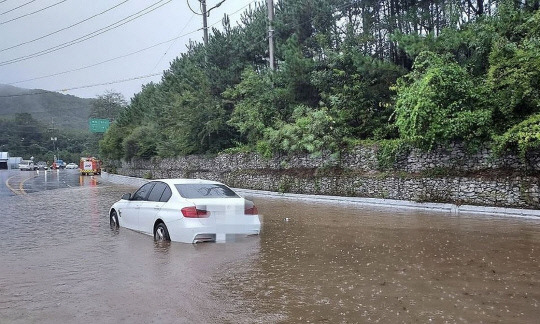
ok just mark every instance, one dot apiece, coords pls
pixel 205 22
pixel 271 33
pixel 205 13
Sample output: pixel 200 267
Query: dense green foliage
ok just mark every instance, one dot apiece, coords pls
pixel 404 73
pixel 522 137
pixel 439 103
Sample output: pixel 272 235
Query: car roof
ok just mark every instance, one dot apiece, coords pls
pixel 187 181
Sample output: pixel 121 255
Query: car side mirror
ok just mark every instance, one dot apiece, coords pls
pixel 126 196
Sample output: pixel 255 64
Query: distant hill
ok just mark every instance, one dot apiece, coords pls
pixel 67 111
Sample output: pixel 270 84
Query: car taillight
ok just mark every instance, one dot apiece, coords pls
pixel 193 212
pixel 251 211
pixel 250 208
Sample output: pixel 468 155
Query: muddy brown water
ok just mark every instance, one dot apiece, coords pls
pixel 312 263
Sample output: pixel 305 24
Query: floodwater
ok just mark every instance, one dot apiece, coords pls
pixel 312 263
pixel 14 181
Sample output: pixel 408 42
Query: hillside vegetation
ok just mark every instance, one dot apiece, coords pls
pixel 67 111
pixel 399 72
pixel 47 124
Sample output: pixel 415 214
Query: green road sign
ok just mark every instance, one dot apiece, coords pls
pixel 98 125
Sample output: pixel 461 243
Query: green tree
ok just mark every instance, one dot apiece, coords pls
pixel 140 143
pixel 257 105
pixel 514 73
pixel 111 145
pixel 439 102
pixel 108 105
pixel 192 120
pixel 356 88
pixel 311 130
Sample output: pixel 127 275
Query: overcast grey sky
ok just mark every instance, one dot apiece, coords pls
pixel 20 27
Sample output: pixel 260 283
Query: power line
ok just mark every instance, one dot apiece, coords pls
pixel 189 6
pixel 103 62
pixel 83 86
pixel 129 54
pixel 106 61
pixel 110 82
pixel 24 4
pixel 68 27
pixel 87 36
pixel 218 21
pixel 90 35
pixel 28 14
pixel 173 42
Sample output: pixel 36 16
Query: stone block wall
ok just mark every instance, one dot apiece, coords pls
pixel 472 179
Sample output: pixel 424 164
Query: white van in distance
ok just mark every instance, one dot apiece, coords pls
pixel 26 165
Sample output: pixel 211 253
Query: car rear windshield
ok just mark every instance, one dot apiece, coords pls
pixel 205 190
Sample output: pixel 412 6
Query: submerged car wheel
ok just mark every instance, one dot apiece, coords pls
pixel 114 220
pixel 161 233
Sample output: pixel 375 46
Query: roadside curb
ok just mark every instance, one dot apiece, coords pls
pixel 388 203
pixel 402 204
pixel 124 180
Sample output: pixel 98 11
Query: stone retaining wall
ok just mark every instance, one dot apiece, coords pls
pixel 472 179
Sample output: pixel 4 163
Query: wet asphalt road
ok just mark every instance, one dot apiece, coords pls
pixel 22 182
pixel 312 263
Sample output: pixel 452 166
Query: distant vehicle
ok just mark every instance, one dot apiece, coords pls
pixel 60 164
pixel 185 210
pixel 90 165
pixel 27 165
pixel 72 166
pixel 42 165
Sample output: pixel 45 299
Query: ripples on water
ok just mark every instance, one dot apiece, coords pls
pixel 62 264
pixel 312 263
pixel 342 263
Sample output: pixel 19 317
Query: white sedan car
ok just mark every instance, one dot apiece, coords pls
pixel 186 210
pixel 72 166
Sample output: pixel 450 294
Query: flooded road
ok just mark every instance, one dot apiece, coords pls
pixel 312 263
pixel 14 182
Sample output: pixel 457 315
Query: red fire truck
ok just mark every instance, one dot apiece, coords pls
pixel 90 165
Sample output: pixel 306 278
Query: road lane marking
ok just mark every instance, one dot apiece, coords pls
pixel 21 185
pixel 21 190
pixel 10 187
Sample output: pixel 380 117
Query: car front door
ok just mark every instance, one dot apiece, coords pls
pixel 149 211
pixel 129 214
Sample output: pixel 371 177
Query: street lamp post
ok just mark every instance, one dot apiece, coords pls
pixel 55 157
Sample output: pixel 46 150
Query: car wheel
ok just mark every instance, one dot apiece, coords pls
pixel 161 233
pixel 114 220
